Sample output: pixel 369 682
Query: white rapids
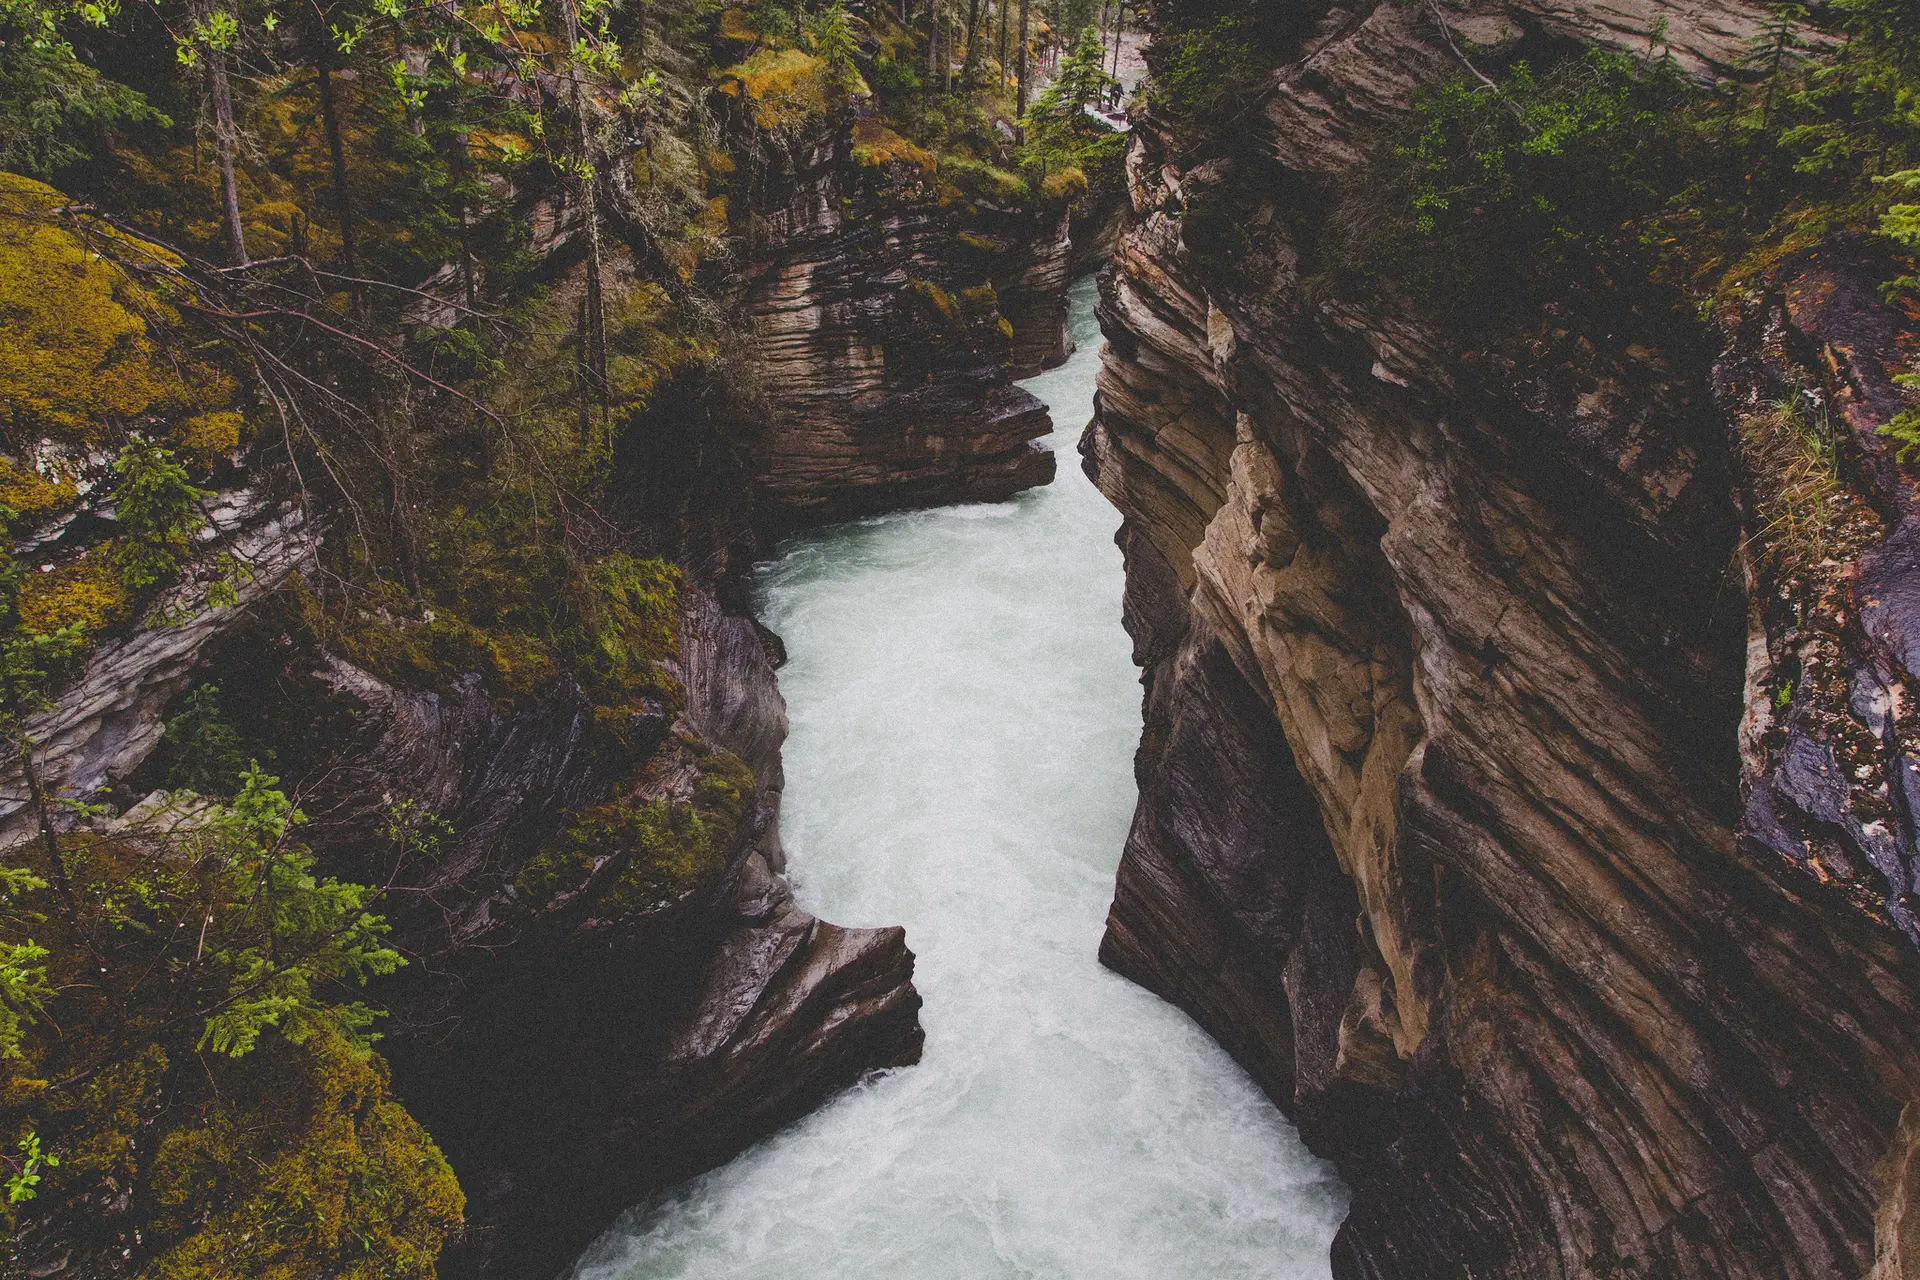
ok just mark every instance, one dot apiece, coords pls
pixel 964 716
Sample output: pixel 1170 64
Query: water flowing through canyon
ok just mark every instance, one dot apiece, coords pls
pixel 964 714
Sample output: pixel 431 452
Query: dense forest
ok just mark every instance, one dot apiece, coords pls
pixel 413 334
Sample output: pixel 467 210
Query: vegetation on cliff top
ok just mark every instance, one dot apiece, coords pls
pixel 435 286
pixel 182 1041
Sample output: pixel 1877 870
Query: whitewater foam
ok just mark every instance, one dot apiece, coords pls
pixel 964 714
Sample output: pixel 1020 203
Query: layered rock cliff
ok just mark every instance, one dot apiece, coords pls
pixel 1487 815
pixel 889 319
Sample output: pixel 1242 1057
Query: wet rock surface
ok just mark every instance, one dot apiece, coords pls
pixel 1450 826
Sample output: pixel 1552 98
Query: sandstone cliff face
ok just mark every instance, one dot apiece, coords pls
pixel 876 335
pixel 1442 787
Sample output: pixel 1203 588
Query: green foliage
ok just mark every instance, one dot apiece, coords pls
pixel 631 612
pixel 200 751
pixel 1065 152
pixel 1904 427
pixel 23 973
pixel 834 39
pixel 55 110
pixel 158 505
pixel 203 938
pixel 1493 197
pixel 1203 68
pixel 628 858
pixel 1081 82
pixel 25 1177
pixel 285 932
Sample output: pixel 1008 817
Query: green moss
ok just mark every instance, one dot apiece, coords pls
pixel 440 648
pixel 633 857
pixel 630 616
pixel 31 495
pixel 980 301
pixel 978 180
pixel 282 1158
pixel 784 87
pixel 876 146
pixel 86 592
pixel 936 303
pixel 303 1165
pixel 1065 184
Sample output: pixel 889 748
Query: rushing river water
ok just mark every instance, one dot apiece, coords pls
pixel 964 716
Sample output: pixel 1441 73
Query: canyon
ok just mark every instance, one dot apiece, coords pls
pixel 1527 787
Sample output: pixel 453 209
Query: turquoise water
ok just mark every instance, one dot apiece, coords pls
pixel 964 715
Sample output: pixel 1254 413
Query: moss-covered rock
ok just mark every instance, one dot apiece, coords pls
pixel 784 88
pixel 638 854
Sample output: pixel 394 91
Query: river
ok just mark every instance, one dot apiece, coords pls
pixel 964 716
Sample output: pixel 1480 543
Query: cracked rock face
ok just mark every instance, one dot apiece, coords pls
pixel 1442 788
pixel 889 377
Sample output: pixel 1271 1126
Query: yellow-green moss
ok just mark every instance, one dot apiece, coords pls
pixel 31 495
pixel 981 300
pixel 87 592
pixel 785 87
pixel 209 434
pixel 935 301
pixel 981 244
pixel 875 146
pixel 1065 184
pixel 646 344
pixel 435 652
pixel 976 179
pixel 79 351
pixel 631 610
pixel 304 1165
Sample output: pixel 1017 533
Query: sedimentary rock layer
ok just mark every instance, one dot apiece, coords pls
pixel 1441 785
pixel 877 338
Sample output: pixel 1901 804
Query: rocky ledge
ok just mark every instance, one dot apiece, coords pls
pixel 1475 818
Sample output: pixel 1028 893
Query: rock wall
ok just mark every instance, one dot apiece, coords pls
pixel 1441 823
pixel 876 314
pixel 572 1063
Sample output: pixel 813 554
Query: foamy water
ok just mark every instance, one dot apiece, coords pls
pixel 964 717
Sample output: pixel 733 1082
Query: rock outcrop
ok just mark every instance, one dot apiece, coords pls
pixel 1441 825
pixel 888 325
pixel 573 1063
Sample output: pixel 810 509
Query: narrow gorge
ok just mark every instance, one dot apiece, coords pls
pixel 572 704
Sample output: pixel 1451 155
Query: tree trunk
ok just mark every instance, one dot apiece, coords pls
pixel 388 395
pixel 1020 89
pixel 1119 28
pixel 970 69
pixel 337 152
pixel 589 210
pixel 43 813
pixel 1003 44
pixel 228 139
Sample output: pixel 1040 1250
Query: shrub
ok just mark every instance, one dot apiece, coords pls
pixel 1490 198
